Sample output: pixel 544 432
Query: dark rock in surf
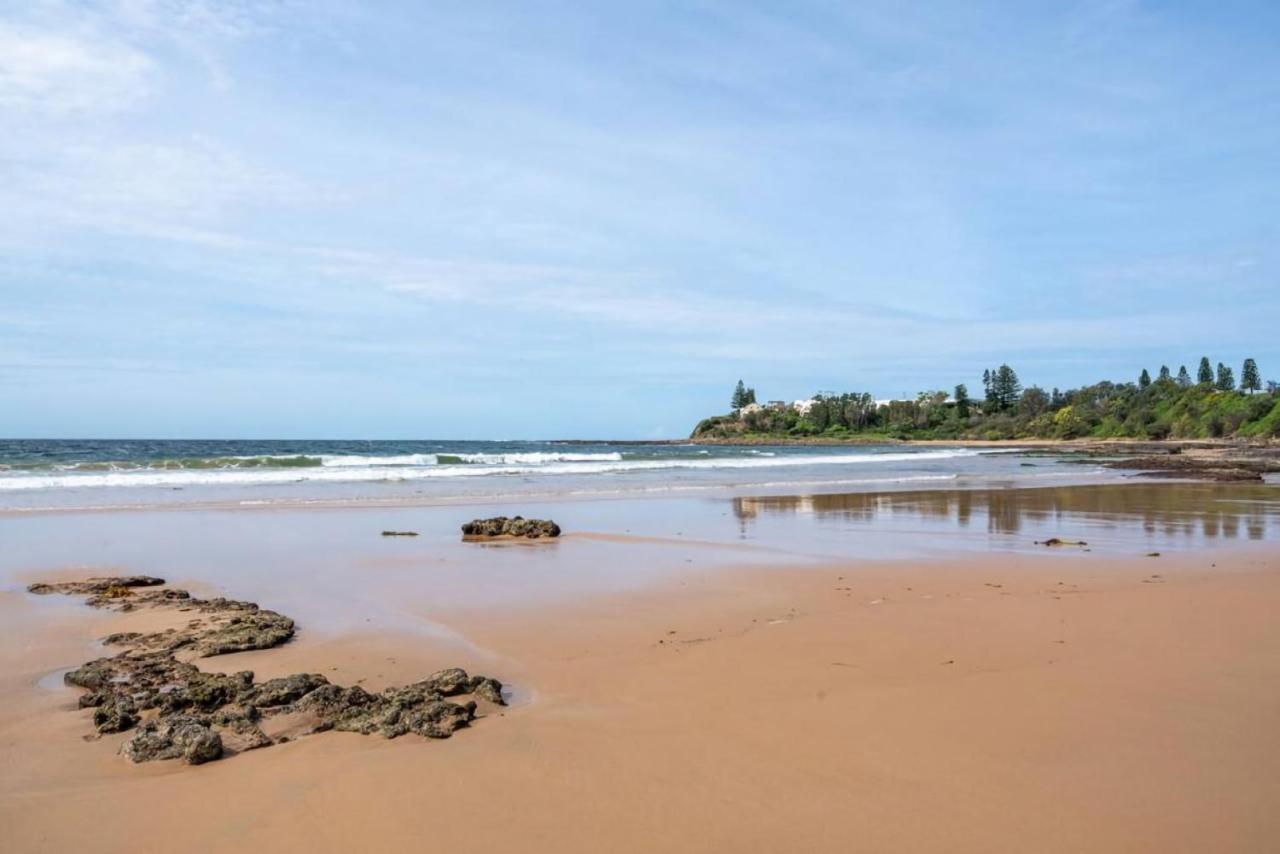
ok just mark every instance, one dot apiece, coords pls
pixel 515 526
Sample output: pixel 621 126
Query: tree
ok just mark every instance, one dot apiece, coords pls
pixel 1164 373
pixel 1206 372
pixel 1005 389
pixel 1249 379
pixel 1226 378
pixel 820 414
pixel 962 402
pixel 1144 379
pixel 1184 378
pixel 751 396
pixel 739 399
pixel 1033 402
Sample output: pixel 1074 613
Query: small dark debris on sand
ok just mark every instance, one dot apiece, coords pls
pixel 1055 541
pixel 399 533
pixel 515 526
pixel 178 711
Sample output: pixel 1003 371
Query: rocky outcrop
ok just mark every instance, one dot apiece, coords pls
pixel 185 737
pixel 120 585
pixel 1231 466
pixel 515 526
pixel 182 712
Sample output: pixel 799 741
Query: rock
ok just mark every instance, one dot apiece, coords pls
pixel 115 583
pixel 1228 466
pixel 487 689
pixel 399 533
pixel 516 526
pixel 205 691
pixel 239 728
pixel 284 690
pixel 255 630
pixel 1055 541
pixel 121 638
pixel 198 715
pixel 115 715
pixel 446 683
pixel 185 737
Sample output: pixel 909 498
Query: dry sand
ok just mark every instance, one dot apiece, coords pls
pixel 1077 702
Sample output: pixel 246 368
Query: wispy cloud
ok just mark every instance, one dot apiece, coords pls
pixel 422 199
pixel 62 74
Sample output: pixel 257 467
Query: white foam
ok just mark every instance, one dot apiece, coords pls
pixel 532 458
pixel 535 458
pixel 358 461
pixel 494 464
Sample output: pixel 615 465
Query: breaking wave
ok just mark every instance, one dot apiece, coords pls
pixel 351 468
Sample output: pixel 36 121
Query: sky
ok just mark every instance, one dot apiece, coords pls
pixel 532 220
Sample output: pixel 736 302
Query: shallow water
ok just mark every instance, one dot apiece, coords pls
pixel 331 569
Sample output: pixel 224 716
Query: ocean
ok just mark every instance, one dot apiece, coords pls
pixel 61 474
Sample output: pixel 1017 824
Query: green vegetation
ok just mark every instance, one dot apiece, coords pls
pixel 1163 408
pixel 1226 380
pixel 1249 379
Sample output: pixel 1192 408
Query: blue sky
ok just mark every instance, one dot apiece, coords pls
pixel 571 219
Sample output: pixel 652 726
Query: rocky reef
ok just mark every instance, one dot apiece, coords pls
pixel 1226 465
pixel 515 526
pixel 177 711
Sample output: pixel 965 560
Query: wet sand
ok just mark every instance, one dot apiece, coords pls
pixel 753 698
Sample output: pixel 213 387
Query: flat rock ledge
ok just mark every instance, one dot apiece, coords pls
pixel 177 711
pixel 515 527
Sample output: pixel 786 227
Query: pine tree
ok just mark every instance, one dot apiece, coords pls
pixel 1184 378
pixel 751 397
pixel 739 398
pixel 1226 378
pixel 962 402
pixel 1249 379
pixel 1005 388
pixel 1164 373
pixel 1206 372
pixel 1144 380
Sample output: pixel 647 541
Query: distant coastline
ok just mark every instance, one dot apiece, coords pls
pixel 1211 407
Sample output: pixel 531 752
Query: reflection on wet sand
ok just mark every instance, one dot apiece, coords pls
pixel 1193 510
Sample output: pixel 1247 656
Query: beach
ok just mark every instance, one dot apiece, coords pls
pixel 902 671
pixel 706 428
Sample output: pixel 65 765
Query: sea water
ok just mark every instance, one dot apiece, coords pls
pixel 60 474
